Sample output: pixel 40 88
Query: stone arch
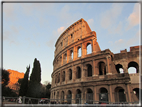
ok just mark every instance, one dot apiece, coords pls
pixel 70 74
pixel 89 70
pixel 79 51
pixel 63 76
pixel 134 66
pixel 102 68
pixel 88 48
pixel 69 97
pixel 65 57
pixel 59 78
pixel 62 96
pixel 71 54
pixel 103 95
pixel 89 96
pixel 56 79
pixel 57 95
pixel 119 68
pixel 60 60
pixel 54 94
pixel 135 94
pixel 78 96
pixel 78 72
pixel 120 95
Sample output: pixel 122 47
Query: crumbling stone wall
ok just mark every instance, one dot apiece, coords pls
pixel 96 73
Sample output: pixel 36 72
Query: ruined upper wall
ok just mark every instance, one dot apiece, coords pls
pixel 77 31
pixel 134 52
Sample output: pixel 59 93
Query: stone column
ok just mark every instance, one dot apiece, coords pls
pixel 65 95
pixel 68 56
pixel 93 45
pixel 110 93
pixel 74 53
pixel 83 50
pixel 94 68
pixel 74 73
pixel 73 97
pixel 128 92
pixel 82 73
pixel 108 65
pixel 62 60
pixel 95 94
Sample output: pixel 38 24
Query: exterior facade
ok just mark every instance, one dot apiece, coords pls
pixel 14 76
pixel 97 76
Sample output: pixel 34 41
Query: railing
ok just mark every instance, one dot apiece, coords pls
pixel 78 101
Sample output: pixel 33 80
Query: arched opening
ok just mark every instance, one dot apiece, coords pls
pixel 71 53
pixel 63 76
pixel 133 67
pixel 78 73
pixel 120 94
pixel 103 95
pixel 57 96
pixel 54 95
pixel 119 68
pixel 59 78
pixel 89 70
pixel 89 96
pixel 102 68
pixel 56 79
pixel 89 48
pixel 136 94
pixel 65 58
pixel 111 58
pixel 62 96
pixel 70 74
pixel 69 97
pixel 78 96
pixel 79 51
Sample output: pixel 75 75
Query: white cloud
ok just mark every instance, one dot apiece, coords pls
pixel 124 44
pixel 109 17
pixel 134 17
pixel 119 41
pixel 54 37
pixel 11 34
pixel 60 30
pixel 90 21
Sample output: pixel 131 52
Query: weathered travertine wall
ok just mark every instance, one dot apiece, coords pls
pixel 89 76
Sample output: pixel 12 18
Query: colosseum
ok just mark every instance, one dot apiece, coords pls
pixel 100 76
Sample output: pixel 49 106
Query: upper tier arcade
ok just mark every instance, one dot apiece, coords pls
pixel 78 35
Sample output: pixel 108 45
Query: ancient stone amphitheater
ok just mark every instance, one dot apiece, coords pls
pixel 100 76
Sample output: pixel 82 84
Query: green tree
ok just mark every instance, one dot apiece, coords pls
pixel 5 78
pixel 48 87
pixel 6 91
pixel 24 83
pixel 35 78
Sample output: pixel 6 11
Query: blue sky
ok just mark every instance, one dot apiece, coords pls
pixel 30 30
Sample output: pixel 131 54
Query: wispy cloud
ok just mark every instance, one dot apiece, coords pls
pixel 55 35
pixel 134 17
pixel 109 18
pixel 123 43
pixel 60 30
pixel 11 34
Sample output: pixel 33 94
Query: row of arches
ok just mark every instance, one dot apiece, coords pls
pixel 70 74
pixel 73 52
pixel 132 67
pixel 89 71
pixel 88 95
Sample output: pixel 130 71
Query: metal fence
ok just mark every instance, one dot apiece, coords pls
pixel 29 100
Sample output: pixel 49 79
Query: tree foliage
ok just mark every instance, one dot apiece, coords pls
pixel 6 91
pixel 24 83
pixel 36 72
pixel 34 89
pixel 5 78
